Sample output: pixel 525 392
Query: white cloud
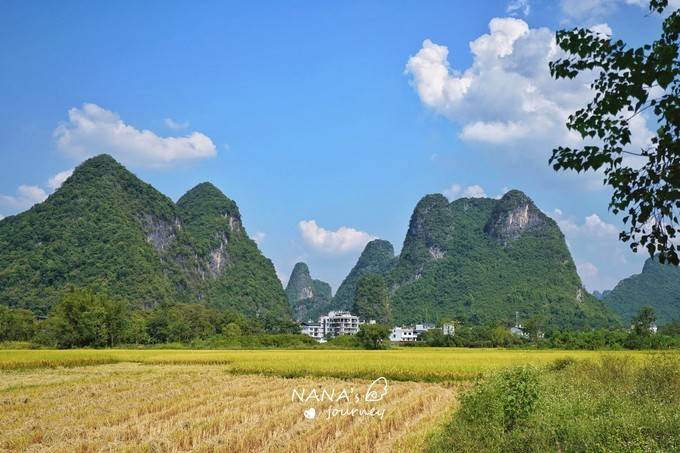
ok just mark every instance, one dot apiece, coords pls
pixel 259 237
pixel 592 226
pixel 93 130
pixel 494 132
pixel 602 259
pixel 589 10
pixel 587 269
pixel 457 191
pixel 175 125
pixel 342 240
pixel 26 196
pixel 602 29
pixel 57 180
pixel 516 7
pixel 506 100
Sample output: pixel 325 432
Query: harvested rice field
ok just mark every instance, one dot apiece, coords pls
pixel 139 407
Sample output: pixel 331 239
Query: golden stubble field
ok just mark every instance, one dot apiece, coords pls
pixel 137 407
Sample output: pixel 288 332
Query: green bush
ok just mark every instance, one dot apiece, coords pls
pixel 519 394
pixel 374 336
pixel 612 404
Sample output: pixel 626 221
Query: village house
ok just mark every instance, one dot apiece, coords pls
pixel 406 334
pixel 333 324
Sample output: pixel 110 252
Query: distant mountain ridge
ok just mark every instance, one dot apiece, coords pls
pixel 481 260
pixel 106 228
pixel 308 298
pixel 658 285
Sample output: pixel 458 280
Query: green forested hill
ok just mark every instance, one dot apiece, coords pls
pixel 377 258
pixel 105 228
pixel 232 273
pixel 657 286
pixel 481 260
pixel 308 298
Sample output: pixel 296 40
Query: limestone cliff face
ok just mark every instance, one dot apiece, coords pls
pixel 308 298
pixel 514 215
pixel 160 233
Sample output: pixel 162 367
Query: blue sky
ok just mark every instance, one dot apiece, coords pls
pixel 325 122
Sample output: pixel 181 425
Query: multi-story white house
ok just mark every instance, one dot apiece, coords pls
pixel 333 324
pixel 337 323
pixel 449 328
pixel 403 334
pixel 314 330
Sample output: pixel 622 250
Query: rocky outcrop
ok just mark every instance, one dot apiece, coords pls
pixel 160 233
pixel 514 215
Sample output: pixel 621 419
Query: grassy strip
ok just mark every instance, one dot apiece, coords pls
pixel 609 404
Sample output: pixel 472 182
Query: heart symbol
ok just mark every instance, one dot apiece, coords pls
pixel 310 413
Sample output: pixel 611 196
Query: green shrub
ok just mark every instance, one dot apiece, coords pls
pixel 519 394
pixel 561 363
pixel 611 404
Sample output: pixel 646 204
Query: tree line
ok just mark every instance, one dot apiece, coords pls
pixel 85 318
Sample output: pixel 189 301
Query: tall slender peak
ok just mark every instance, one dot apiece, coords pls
pixel 308 298
pixel 300 285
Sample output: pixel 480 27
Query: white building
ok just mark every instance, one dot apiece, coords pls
pixel 333 324
pixel 449 329
pixel 403 334
pixel 517 331
pixel 420 328
pixel 337 323
pixel 313 330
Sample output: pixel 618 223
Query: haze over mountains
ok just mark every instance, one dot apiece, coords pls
pixel 476 260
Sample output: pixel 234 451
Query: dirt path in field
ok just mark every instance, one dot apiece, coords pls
pixel 135 407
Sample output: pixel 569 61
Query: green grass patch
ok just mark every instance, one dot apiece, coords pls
pixel 611 403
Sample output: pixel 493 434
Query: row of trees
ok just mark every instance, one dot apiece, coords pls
pixel 85 318
pixel 642 335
